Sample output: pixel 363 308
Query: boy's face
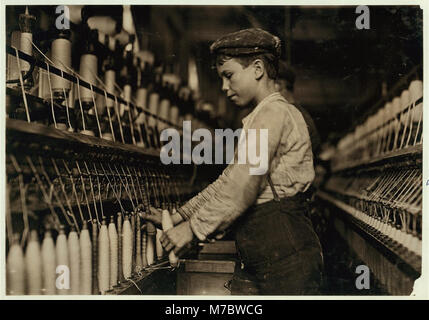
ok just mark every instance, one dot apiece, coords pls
pixel 238 83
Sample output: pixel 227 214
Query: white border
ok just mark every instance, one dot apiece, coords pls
pixel 425 259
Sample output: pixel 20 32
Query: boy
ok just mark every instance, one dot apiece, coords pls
pixel 279 251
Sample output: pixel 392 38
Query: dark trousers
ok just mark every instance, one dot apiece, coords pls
pixel 280 252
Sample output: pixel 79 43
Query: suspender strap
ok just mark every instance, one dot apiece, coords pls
pixel 270 182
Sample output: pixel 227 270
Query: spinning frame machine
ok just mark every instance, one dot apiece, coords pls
pixel 375 191
pixel 82 163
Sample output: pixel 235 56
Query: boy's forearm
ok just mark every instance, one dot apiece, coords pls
pixel 187 210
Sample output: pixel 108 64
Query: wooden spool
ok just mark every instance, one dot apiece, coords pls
pixel 74 259
pixel 15 269
pixel 120 239
pixel 127 248
pixel 33 265
pixel 86 261
pixel 95 289
pixel 150 245
pixel 48 264
pixel 62 255
pixel 113 238
pixel 103 258
pixel 139 262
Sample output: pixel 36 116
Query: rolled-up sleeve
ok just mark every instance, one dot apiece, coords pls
pixel 236 189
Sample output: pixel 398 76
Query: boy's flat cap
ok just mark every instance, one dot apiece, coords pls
pixel 247 41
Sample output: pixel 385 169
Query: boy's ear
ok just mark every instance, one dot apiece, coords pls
pixel 259 68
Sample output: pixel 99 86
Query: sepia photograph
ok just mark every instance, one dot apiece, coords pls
pixel 213 150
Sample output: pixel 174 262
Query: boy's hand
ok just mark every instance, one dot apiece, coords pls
pixel 177 238
pixel 155 217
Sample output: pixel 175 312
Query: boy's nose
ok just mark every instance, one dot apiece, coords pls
pixel 225 85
